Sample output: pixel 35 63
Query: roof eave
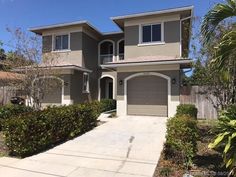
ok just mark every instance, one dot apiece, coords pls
pixel 116 19
pixel 54 67
pixel 38 30
pixel 115 65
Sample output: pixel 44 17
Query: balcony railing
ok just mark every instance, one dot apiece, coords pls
pixel 121 56
pixel 106 58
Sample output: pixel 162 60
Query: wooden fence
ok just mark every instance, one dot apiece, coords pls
pixel 6 93
pixel 191 95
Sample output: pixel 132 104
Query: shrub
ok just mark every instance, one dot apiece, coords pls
pixel 9 111
pixel 107 105
pixel 34 132
pixel 187 109
pixel 181 140
pixel 12 110
pixel 225 141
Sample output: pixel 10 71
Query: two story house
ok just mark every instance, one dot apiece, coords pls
pixel 139 66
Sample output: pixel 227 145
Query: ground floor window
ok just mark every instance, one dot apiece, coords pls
pixel 86 83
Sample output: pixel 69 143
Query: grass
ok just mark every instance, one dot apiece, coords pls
pixel 207 162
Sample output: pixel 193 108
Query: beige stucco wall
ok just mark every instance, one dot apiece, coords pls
pixel 72 56
pixel 170 47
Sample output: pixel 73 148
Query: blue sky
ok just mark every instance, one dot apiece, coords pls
pixel 31 13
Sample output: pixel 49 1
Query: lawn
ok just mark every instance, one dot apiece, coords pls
pixel 207 162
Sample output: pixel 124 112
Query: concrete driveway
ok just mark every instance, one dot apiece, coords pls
pixel 124 147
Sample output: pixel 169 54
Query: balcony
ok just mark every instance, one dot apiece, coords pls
pixel 106 58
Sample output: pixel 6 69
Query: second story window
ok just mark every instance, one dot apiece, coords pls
pixel 121 49
pixel 106 49
pixel 61 42
pixel 152 33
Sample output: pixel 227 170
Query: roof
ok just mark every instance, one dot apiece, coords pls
pixel 117 19
pixel 39 29
pixel 6 76
pixel 55 66
pixel 156 12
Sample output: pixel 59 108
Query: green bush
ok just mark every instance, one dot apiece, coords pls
pixel 107 105
pixel 225 141
pixel 12 110
pixel 9 111
pixel 30 133
pixel 181 140
pixel 187 109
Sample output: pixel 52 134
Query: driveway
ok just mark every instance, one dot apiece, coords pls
pixel 124 147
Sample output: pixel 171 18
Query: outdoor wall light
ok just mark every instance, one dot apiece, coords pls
pixel 121 82
pixel 173 81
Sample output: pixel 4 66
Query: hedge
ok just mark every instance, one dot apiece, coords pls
pixel 9 111
pixel 107 105
pixel 187 109
pixel 30 133
pixel 181 139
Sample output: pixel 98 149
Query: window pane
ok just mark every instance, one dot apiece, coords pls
pixel 156 32
pixel 146 34
pixel 65 42
pixel 106 48
pixel 58 43
pixel 86 83
pixel 121 47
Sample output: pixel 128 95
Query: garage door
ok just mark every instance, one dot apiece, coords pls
pixel 147 95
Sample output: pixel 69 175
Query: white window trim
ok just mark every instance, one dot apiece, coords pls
pixel 141 43
pixel 54 40
pixel 99 49
pixel 99 85
pixel 118 48
pixel 87 84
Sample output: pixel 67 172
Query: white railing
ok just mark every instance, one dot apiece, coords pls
pixel 121 56
pixel 106 58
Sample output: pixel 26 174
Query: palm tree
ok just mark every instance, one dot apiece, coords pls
pixel 211 21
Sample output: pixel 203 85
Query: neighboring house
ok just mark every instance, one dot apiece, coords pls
pixel 140 66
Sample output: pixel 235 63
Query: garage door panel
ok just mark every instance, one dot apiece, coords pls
pixel 147 95
pixel 154 110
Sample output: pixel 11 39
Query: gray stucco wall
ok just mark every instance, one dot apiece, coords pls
pixel 76 89
pixel 172 74
pixel 90 61
pixel 76 41
pixel 171 47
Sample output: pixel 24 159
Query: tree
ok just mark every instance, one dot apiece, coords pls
pixel 37 74
pixel 227 44
pixel 2 53
pixel 217 85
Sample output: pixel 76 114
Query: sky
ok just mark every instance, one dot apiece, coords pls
pixel 32 13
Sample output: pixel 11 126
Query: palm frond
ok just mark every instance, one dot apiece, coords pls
pixel 216 15
pixel 225 49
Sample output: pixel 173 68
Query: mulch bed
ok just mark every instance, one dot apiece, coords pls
pixel 207 162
